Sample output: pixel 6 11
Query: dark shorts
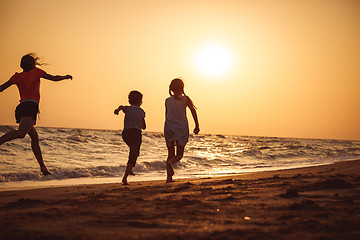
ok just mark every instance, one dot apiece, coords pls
pixel 132 137
pixel 26 109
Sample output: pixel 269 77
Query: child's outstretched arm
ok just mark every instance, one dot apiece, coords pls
pixel 5 85
pixel 120 108
pixel 194 114
pixel 56 78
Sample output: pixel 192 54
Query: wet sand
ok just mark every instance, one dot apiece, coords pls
pixel 320 202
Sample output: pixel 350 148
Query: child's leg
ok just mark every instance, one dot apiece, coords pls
pixel 133 154
pixel 169 168
pixel 37 151
pixel 133 139
pixel 26 123
pixel 179 154
pixel 126 174
pixel 173 160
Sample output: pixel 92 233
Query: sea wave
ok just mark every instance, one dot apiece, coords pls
pixel 5 129
pixel 66 173
pixel 77 153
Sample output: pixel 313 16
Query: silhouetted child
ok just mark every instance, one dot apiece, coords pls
pixel 28 83
pixel 176 130
pixel 134 121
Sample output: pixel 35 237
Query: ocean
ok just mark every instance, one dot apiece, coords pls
pixel 81 156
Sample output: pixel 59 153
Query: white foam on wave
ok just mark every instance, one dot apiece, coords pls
pixel 87 153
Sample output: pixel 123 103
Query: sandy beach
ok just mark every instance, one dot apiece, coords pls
pixel 319 202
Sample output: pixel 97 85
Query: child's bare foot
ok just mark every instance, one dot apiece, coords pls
pixel 44 171
pixel 169 180
pixel 125 182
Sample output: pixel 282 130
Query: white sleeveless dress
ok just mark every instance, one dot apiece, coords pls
pixel 176 123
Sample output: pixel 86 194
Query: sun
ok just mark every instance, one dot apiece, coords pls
pixel 213 60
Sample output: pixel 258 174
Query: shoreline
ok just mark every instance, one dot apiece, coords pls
pixel 319 202
pixel 139 177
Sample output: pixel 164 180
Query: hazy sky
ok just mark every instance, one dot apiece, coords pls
pixel 289 68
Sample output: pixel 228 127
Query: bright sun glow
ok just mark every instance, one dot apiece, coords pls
pixel 213 60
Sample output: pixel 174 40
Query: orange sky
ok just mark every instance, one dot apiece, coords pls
pixel 294 72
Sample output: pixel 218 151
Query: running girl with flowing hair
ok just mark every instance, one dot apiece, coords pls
pixel 28 83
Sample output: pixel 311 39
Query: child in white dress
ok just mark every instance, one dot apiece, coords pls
pixel 176 130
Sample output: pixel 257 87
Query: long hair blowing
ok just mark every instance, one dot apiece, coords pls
pixel 29 61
